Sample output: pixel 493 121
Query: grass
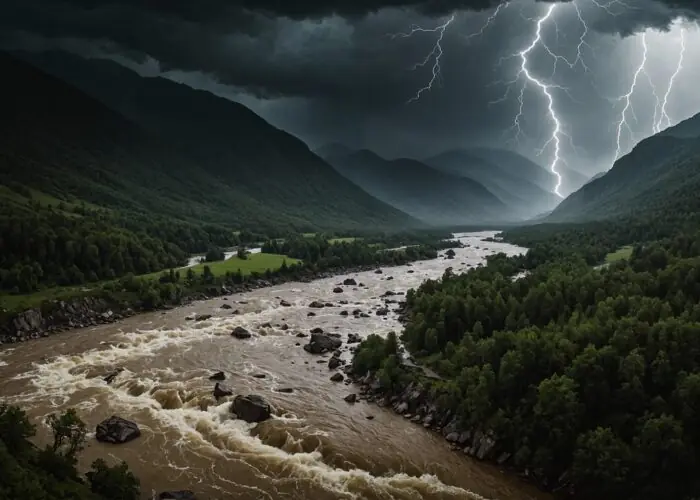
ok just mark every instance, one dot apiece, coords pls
pixel 259 262
pixel 622 253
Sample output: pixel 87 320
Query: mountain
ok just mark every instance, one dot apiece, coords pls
pixel 419 190
pixel 168 139
pixel 571 179
pixel 517 166
pixel 686 129
pixel 522 195
pixel 660 175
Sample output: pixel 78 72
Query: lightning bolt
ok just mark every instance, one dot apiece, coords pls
pixel 545 89
pixel 659 125
pixel 627 98
pixel 434 55
pixel 489 20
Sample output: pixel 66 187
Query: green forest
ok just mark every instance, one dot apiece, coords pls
pixel 588 376
pixel 50 473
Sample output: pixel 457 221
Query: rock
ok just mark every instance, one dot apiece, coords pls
pixel 109 378
pixel 226 306
pixel 337 377
pixel 310 314
pixel 202 317
pixel 389 278
pixel 117 430
pixel 236 312
pixel 353 338
pixel 218 376
pixel 450 253
pixel 411 271
pixel 301 335
pixel 221 391
pixel 378 271
pixel 285 390
pixel 382 312
pixel 349 282
pixel 356 312
pixel 241 333
pixel 350 398
pixel 266 325
pixel 259 375
pixel 369 417
pixel 344 313
pixel 177 495
pixel 284 327
pixel 364 315
pixel 317 330
pixel 452 437
pixel 389 293
pixel 284 303
pixel 321 343
pixel 251 408
pixel 337 290
pixel 329 304
pixel 334 363
pixel 317 305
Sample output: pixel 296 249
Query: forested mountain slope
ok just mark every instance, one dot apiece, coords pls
pixel 219 151
pixel 421 191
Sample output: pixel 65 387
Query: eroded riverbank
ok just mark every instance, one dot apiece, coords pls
pixel 317 447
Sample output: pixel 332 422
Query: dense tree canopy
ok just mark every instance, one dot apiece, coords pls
pixel 586 375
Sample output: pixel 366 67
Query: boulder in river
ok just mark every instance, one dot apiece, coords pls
pixel 350 398
pixel 251 408
pixel 221 391
pixel 334 363
pixel 226 306
pixel 117 430
pixel 317 330
pixel 337 290
pixel 378 271
pixel 382 312
pixel 349 282
pixel 310 314
pixel 284 303
pixel 241 333
pixel 285 390
pixel 321 343
pixel 202 317
pixel 317 305
pixel 177 495
pixel 344 313
pixel 353 338
pixel 218 376
pixel 109 378
pixel 337 377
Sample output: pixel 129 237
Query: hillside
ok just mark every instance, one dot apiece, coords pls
pixel 517 166
pixel 660 174
pixel 213 151
pixel 522 195
pixel 415 188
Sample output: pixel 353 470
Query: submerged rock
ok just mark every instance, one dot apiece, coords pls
pixel 218 376
pixel 221 391
pixel 177 495
pixel 117 430
pixel 251 408
pixel 202 317
pixel 109 378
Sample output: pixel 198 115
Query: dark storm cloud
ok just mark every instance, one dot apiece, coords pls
pixel 327 70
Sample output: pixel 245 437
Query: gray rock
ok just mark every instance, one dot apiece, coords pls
pixel 321 343
pixel 221 391
pixel 218 376
pixel 226 306
pixel 251 408
pixel 284 303
pixel 202 317
pixel 116 430
pixel 349 282
pixel 350 398
pixel 241 333
pixel 317 305
pixel 337 290
pixel 337 377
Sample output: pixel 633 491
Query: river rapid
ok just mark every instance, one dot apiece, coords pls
pixel 317 447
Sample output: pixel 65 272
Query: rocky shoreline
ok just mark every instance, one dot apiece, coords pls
pixel 414 402
pixel 59 316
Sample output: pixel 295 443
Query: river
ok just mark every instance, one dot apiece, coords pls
pixel 317 447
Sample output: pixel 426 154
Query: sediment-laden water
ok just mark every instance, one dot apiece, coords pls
pixel 317 447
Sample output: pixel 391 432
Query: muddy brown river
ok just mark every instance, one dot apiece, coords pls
pixel 317 447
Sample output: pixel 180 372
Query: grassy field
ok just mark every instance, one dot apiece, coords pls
pixel 622 253
pixel 259 262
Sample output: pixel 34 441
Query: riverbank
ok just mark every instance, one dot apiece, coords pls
pixel 416 402
pixel 57 316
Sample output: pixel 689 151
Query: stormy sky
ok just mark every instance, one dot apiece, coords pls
pixel 336 71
